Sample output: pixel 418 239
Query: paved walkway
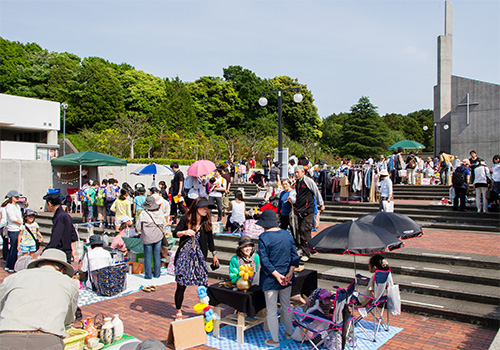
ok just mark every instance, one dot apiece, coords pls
pixel 148 315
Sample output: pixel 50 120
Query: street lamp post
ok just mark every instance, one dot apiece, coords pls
pixel 64 107
pixel 446 126
pixel 263 102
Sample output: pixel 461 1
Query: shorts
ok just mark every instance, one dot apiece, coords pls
pixel 28 248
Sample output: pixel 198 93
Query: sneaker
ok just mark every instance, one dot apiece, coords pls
pixel 304 258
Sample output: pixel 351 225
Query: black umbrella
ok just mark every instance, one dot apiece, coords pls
pixel 354 238
pixel 399 225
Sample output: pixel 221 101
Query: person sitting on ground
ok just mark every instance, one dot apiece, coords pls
pixel 118 243
pixel 96 258
pixel 238 210
pixel 30 231
pixel 38 304
pixel 376 262
pixel 245 255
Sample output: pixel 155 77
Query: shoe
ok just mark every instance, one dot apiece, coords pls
pixel 178 316
pixel 299 269
pixel 272 343
pixel 304 258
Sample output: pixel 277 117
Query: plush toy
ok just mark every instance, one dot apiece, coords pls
pixel 203 306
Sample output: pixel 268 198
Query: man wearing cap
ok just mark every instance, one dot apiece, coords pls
pixel 63 235
pixel 385 188
pixel 177 185
pixel 96 258
pixel 304 208
pixel 278 258
pixel 38 304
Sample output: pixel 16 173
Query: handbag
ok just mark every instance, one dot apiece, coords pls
pixel 394 300
pixel 37 242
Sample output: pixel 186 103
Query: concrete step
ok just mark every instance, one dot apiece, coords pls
pixel 461 310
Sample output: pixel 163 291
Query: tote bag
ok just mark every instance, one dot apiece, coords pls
pixel 388 207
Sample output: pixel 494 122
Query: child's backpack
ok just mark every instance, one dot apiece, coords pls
pixel 99 199
pixel 81 196
pixel 110 193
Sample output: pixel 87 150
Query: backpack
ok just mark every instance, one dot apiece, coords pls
pixel 458 178
pixel 264 162
pixel 99 199
pixel 110 193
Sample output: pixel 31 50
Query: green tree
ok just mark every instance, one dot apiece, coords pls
pixel 177 112
pixel 364 132
pixel 216 103
pixel 143 92
pixel 331 129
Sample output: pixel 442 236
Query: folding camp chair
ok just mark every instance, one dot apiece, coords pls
pixel 337 322
pixel 376 305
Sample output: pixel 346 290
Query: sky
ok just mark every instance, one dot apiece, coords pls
pixel 341 49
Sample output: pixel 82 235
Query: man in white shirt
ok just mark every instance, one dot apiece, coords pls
pixel 96 258
pixel 385 185
pixel 38 304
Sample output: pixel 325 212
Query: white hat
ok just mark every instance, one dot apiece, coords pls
pixel 125 218
pixel 384 172
pixel 54 255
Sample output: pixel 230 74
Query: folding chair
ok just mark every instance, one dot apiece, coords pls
pixel 376 305
pixel 334 323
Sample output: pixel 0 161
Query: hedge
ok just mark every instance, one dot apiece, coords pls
pixel 164 161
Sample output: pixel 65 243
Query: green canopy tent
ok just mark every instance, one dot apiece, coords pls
pixel 89 158
pixel 407 144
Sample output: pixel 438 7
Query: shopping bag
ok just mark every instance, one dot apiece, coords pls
pixel 394 300
pixel 388 207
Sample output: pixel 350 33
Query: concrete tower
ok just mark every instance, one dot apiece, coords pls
pixel 442 91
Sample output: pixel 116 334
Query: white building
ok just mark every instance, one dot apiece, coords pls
pixel 28 128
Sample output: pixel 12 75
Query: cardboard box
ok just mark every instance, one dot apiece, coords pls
pixel 184 334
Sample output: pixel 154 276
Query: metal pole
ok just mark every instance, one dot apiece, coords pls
pixel 64 132
pixel 280 131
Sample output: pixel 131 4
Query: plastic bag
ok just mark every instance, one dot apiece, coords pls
pixel 394 300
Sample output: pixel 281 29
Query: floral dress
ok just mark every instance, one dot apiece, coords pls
pixel 191 268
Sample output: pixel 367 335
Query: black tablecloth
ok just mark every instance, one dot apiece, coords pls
pixel 252 301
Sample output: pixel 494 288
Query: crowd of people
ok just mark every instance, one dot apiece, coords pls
pixel 299 199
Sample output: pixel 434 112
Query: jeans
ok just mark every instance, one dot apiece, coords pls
pixel 444 175
pixel 272 311
pixel 266 170
pixel 218 202
pixel 153 248
pixel 12 255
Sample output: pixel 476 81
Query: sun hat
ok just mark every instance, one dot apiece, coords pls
pixel 158 198
pixel 125 218
pixel 141 190
pixel 150 204
pixel 384 172
pixel 382 156
pixel 276 163
pixel 54 255
pixel 205 203
pixel 95 240
pixel 12 193
pixel 268 219
pixel 29 212
pixel 243 241
pixel 54 198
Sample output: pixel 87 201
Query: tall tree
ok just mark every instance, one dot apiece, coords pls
pixel 364 132
pixel 134 126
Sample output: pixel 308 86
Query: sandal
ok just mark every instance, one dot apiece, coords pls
pixel 152 288
pixel 272 343
pixel 146 289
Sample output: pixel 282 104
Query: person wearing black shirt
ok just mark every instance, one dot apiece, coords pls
pixel 266 163
pixel 177 185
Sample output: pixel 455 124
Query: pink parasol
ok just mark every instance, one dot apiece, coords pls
pixel 201 167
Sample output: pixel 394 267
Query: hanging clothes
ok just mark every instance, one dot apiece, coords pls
pixel 344 187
